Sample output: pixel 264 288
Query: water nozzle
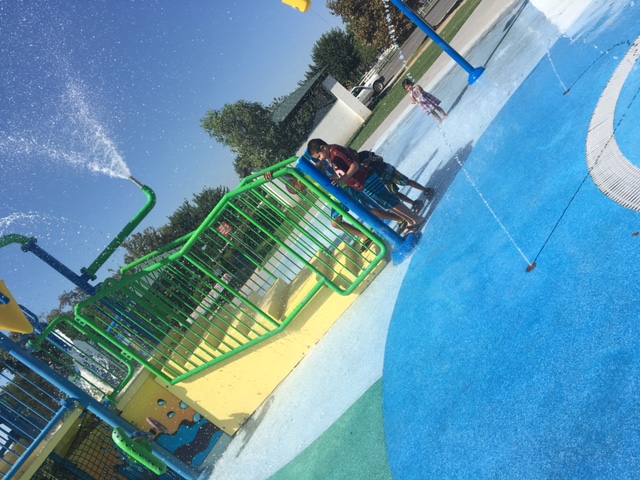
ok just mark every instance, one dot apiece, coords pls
pixel 140 185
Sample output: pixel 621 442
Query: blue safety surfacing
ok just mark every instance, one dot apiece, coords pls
pixel 493 372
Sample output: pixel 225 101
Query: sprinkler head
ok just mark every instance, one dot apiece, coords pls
pixel 140 185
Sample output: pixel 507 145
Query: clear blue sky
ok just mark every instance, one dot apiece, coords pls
pixel 125 82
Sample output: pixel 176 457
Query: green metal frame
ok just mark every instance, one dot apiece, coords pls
pixel 201 299
pixel 124 233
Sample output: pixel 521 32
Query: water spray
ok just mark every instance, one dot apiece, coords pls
pixel 29 245
pixel 530 265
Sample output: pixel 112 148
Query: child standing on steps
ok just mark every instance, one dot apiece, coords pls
pixel 428 103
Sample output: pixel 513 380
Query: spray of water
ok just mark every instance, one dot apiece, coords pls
pixel 17 218
pixel 51 228
pixel 596 18
pixel 79 139
pixel 531 265
pixel 105 157
pixel 553 67
pixel 394 38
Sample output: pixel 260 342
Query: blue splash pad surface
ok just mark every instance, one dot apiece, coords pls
pixel 492 372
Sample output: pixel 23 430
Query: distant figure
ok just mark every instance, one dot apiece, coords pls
pixel 428 103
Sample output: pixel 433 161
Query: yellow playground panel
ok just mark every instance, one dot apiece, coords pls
pixel 230 392
pixel 302 5
pixel 11 317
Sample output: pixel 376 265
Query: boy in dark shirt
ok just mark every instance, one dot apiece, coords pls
pixel 395 179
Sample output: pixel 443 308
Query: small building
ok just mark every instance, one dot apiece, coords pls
pixel 339 114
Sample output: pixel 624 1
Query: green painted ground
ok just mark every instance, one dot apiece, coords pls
pixel 352 448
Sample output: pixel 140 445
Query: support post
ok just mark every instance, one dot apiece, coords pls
pixel 474 73
pixel 90 272
pixel 91 404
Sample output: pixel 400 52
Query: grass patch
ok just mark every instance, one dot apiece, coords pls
pixel 422 64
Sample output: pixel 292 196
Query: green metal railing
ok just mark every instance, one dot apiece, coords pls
pixel 260 256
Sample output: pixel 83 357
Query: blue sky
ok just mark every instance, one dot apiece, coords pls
pixel 116 85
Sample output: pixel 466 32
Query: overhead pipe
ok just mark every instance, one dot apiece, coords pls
pixel 29 244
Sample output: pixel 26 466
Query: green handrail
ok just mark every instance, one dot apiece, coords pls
pixel 272 168
pixel 14 238
pixel 99 341
pixel 179 312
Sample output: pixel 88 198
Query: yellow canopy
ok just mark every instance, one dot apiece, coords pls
pixel 302 5
pixel 11 317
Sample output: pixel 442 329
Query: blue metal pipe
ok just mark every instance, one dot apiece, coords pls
pixel 66 405
pixel 58 266
pixel 91 404
pixel 474 73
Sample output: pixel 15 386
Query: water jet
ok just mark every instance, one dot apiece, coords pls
pixel 28 244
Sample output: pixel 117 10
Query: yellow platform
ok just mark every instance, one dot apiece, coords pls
pixel 229 393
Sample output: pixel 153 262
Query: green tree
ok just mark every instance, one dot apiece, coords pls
pixel 67 301
pixel 189 216
pixel 343 56
pixel 206 201
pixel 248 129
pixel 243 123
pixel 293 131
pixel 367 20
pixel 243 166
pixel 142 243
pixel 7 360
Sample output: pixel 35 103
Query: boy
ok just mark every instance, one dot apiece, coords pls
pixel 346 165
pixel 394 179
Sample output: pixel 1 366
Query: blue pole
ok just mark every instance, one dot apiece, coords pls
pixel 61 268
pixel 91 404
pixel 474 73
pixel 402 246
pixel 66 405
